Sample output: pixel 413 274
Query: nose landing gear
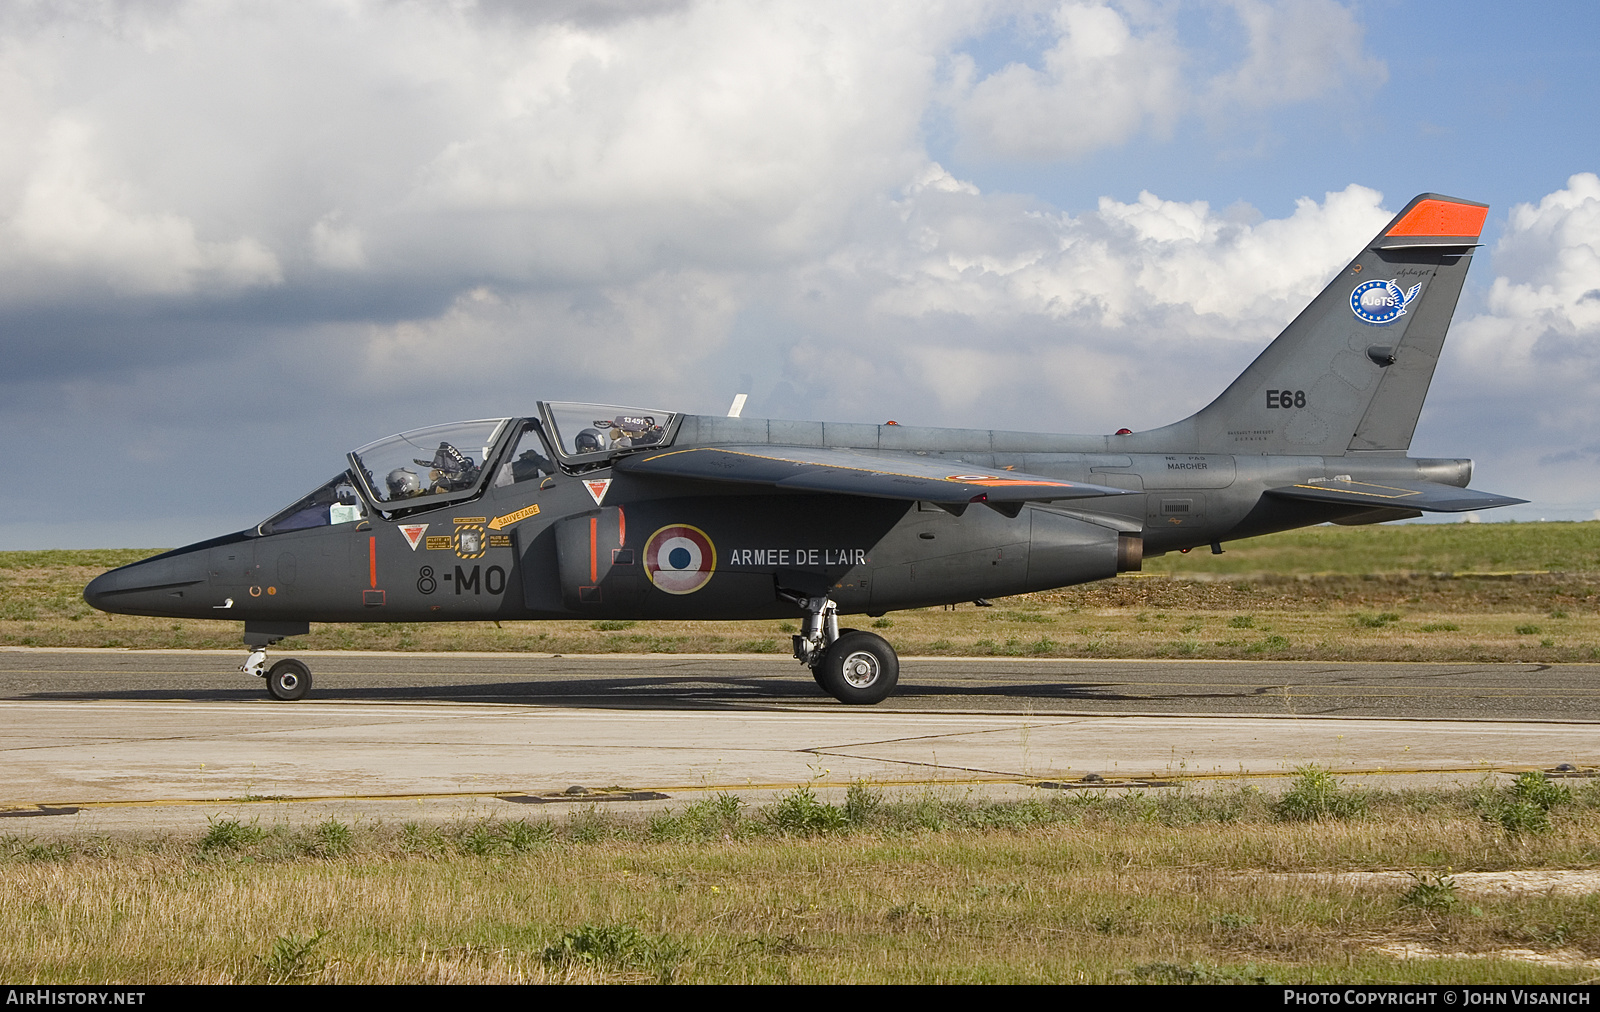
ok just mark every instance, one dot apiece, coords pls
pixel 288 679
pixel 850 665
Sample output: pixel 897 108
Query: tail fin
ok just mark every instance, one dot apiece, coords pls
pixel 1350 373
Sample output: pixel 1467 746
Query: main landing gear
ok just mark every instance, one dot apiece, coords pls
pixel 850 665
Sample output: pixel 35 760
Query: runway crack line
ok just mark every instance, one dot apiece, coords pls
pixel 915 762
pixel 959 734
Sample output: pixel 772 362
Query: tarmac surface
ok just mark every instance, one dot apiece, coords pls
pixel 105 741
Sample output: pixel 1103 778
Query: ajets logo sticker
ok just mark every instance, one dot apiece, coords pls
pixel 598 489
pixel 413 533
pixel 1381 302
pixel 679 559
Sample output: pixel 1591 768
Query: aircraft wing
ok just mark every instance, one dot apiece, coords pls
pixel 850 473
pixel 1416 495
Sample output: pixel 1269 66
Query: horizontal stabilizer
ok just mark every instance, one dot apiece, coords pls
pixel 1410 495
pixel 848 473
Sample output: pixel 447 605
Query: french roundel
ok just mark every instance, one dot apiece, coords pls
pixel 679 559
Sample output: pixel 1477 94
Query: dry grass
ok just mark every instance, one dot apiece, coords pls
pixel 1152 888
pixel 1408 593
pixel 1547 618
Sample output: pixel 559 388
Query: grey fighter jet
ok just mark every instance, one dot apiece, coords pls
pixel 593 511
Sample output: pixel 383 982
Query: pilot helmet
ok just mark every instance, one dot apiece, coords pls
pixel 403 483
pixel 587 441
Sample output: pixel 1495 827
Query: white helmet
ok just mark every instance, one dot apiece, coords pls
pixel 402 483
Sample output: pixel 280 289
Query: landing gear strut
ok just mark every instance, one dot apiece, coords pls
pixel 850 665
pixel 288 679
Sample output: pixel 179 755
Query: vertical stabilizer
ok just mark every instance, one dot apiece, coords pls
pixel 1351 371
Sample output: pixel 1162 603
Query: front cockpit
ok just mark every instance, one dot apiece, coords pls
pixel 429 468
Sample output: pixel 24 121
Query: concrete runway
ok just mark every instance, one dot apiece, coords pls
pixel 141 740
pixel 740 682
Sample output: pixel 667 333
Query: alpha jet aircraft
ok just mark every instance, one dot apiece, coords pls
pixel 594 511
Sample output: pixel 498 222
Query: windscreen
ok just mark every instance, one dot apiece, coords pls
pixel 335 502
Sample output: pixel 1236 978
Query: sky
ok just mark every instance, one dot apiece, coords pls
pixel 240 239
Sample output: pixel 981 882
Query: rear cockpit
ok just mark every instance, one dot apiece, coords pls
pixel 593 433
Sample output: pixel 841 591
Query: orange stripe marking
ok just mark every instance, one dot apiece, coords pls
pixel 1441 217
pixel 594 550
pixel 372 560
pixel 622 528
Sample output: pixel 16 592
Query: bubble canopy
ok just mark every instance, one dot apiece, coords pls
pixel 595 431
pixel 429 466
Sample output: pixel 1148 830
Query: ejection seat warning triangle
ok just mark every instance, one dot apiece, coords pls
pixel 597 489
pixel 413 533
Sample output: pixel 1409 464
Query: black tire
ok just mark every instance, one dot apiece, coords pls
pixel 816 669
pixel 860 668
pixel 288 680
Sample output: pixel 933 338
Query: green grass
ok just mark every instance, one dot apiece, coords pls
pixel 1401 548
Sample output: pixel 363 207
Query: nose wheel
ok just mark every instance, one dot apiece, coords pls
pixel 287 680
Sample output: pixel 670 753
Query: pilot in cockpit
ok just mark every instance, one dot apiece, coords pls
pixel 450 470
pixel 588 441
pixel 403 483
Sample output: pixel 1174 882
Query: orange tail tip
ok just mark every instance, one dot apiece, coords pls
pixel 1442 217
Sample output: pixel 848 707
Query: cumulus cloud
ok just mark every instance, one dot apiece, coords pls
pixel 1534 352
pixel 208 148
pixel 180 147
pixel 946 305
pixel 1110 75
pixel 1126 261
pixel 969 300
pixel 1100 83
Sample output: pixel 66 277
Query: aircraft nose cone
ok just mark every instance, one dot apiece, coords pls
pixel 146 587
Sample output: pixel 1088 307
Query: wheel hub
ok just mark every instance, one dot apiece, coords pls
pixel 860 669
